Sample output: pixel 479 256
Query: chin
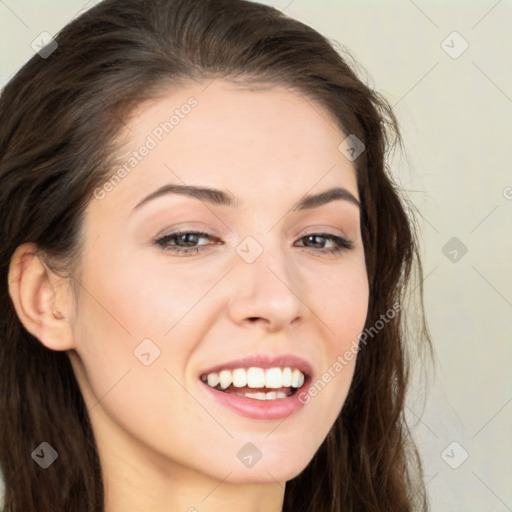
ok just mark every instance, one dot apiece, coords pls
pixel 274 469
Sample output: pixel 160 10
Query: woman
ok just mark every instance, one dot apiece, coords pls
pixel 204 268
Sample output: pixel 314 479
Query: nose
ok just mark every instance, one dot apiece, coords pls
pixel 267 293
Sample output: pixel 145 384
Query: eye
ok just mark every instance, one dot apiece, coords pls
pixel 318 241
pixel 185 242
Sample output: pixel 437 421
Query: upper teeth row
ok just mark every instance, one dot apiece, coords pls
pixel 256 378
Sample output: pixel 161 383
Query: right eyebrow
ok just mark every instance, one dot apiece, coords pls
pixel 215 196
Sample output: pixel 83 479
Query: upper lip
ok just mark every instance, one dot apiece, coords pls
pixel 264 361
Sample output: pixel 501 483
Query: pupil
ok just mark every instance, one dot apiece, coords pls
pixel 315 240
pixel 186 238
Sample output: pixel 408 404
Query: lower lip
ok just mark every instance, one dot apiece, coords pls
pixel 253 408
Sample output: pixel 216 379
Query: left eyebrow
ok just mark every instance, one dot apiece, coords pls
pixel 315 200
pixel 221 197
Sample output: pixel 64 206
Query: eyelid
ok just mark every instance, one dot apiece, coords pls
pixel 323 230
pixel 187 226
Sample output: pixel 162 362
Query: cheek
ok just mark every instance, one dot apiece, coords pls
pixel 125 300
pixel 123 394
pixel 129 308
pixel 345 307
pixel 341 297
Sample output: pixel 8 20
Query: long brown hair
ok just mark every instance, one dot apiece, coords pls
pixel 59 118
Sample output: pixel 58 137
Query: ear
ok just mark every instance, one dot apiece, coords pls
pixel 42 299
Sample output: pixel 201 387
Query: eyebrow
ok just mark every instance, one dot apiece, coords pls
pixel 223 198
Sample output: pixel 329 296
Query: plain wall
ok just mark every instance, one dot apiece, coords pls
pixel 456 119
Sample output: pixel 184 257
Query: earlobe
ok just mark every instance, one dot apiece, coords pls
pixel 41 298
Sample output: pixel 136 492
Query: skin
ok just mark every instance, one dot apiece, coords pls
pixel 164 443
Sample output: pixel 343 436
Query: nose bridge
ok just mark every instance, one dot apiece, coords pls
pixel 266 283
pixel 273 266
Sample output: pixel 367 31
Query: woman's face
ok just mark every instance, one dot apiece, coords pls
pixel 269 283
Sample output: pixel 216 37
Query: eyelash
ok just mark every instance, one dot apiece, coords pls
pixel 342 243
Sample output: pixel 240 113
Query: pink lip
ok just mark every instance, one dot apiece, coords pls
pixel 262 409
pixel 263 361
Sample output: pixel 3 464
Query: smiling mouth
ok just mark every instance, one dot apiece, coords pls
pixel 257 383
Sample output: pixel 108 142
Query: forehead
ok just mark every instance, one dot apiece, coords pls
pixel 228 136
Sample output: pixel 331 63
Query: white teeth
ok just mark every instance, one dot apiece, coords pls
pixel 256 378
pixel 297 378
pixel 257 396
pixel 239 378
pixel 225 379
pixel 272 395
pixel 273 378
pixel 287 377
pixel 213 379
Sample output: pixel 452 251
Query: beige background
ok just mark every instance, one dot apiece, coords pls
pixel 456 118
